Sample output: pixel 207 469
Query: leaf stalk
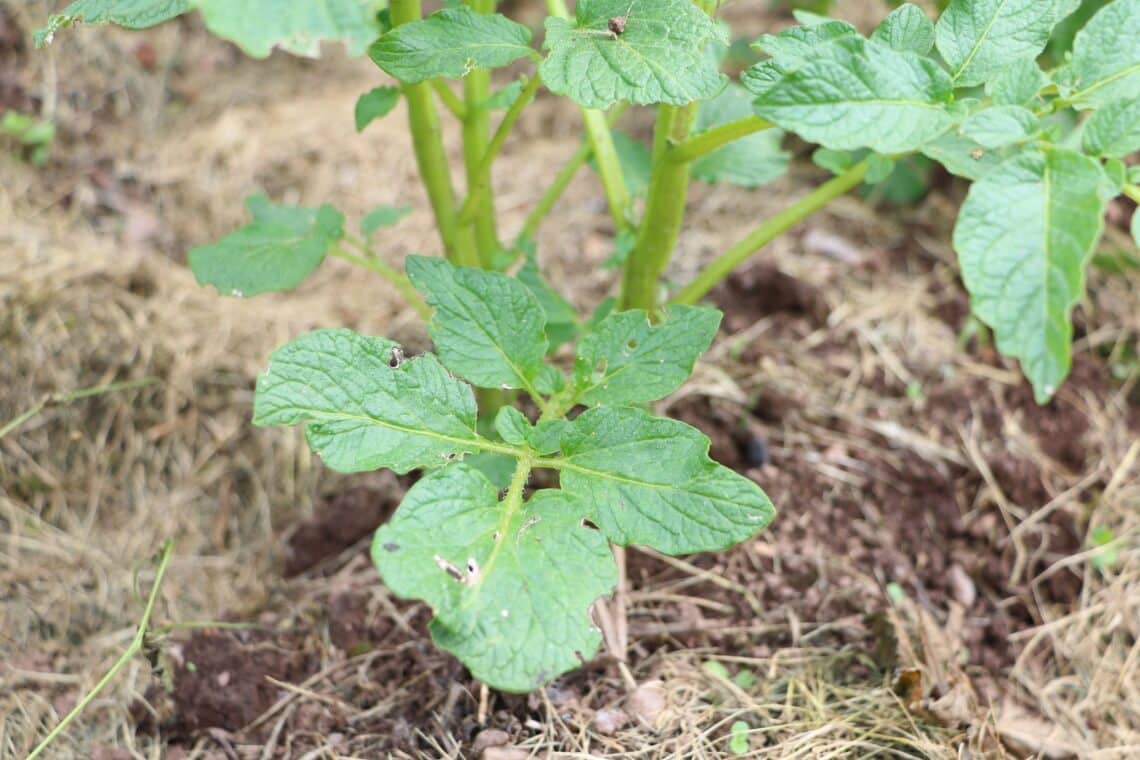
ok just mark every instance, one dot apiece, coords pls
pixel 723 265
pixel 602 145
pixel 698 145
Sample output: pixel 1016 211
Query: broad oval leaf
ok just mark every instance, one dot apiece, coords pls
pixel 1017 84
pixel 998 126
pixel 797 44
pixel 751 161
pixel 511 587
pixel 1023 237
pixel 450 44
pixel 1114 130
pixel 628 360
pixel 359 411
pixel 858 94
pixel 295 26
pixel 131 14
pixel 649 480
pixel 487 327
pixel 977 38
pixel 659 56
pixel 375 104
pixel 906 28
pixel 1106 57
pixel 964 157
pixel 276 251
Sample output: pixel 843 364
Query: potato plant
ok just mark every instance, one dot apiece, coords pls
pixel 511 574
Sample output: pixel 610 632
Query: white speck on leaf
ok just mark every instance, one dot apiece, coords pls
pixel 449 568
pixel 506 614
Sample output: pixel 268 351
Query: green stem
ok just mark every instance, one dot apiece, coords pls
pixel 476 130
pixel 723 265
pixel 561 181
pixel 1133 192
pixel 472 205
pixel 399 280
pixel 709 140
pixel 664 211
pixel 449 99
pixel 602 144
pixel 65 398
pixel 135 647
pixel 554 192
pixel 427 142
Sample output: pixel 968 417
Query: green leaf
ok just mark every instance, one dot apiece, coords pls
pixel 1136 227
pixel 384 216
pixel 660 57
pixel 879 167
pixel 295 26
pixel 751 161
pixel 977 38
pixel 649 481
pixel 999 126
pixel 1106 58
pixel 835 161
pixel 1105 555
pixel 487 327
pixel 797 44
pixel 1024 236
pixel 1017 84
pixel 627 360
pixel 636 162
pixel 359 411
pixel 854 94
pixel 450 44
pixel 512 425
pixel 132 14
pixel 1114 130
pixel 562 321
pixel 963 157
pixel 906 28
pixel 505 97
pixel 738 743
pixel 758 78
pixel 514 428
pixel 510 587
pixel 276 251
pixel 375 104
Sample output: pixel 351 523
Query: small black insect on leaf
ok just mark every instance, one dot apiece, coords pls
pixel 617 26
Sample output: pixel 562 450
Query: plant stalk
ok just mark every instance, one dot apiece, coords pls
pixel 476 133
pixel 474 198
pixel 723 265
pixel 664 212
pixel 427 142
pixel 450 100
pixel 134 648
pixel 602 144
pixel 561 180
